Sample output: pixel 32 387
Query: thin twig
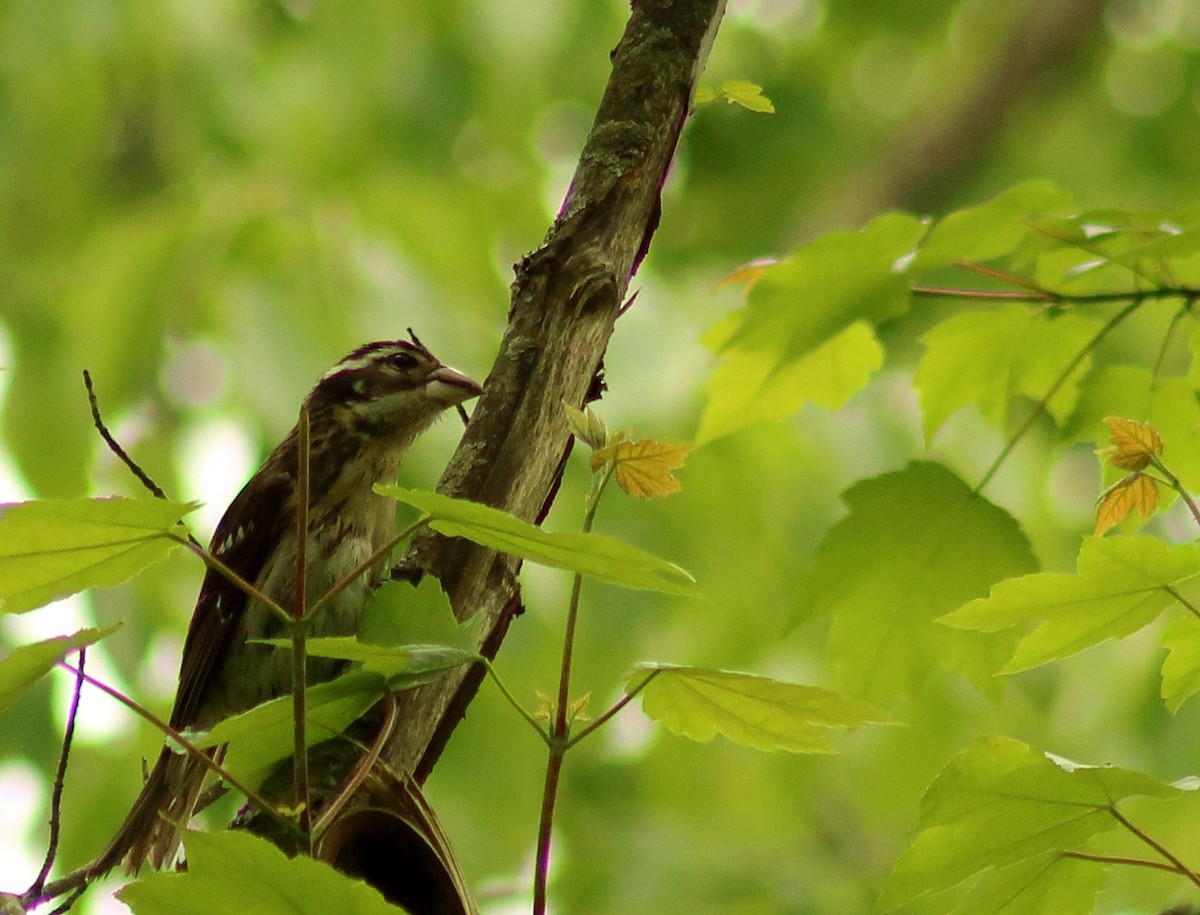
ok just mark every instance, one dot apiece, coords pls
pixel 365 763
pixel 115 447
pixel 60 777
pixel 191 749
pixel 560 731
pixel 298 626
pixel 1094 298
pixel 112 443
pixel 71 900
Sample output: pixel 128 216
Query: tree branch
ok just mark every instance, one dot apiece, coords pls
pixel 565 301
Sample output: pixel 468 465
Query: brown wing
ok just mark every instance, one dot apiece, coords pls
pixel 249 529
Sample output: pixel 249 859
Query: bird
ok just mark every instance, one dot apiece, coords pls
pixel 363 415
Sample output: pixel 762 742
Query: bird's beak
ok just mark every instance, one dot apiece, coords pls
pixel 450 386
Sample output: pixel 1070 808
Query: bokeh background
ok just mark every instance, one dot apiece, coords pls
pixel 207 204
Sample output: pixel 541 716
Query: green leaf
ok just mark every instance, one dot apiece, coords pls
pixel 263 736
pixel 991 229
pixel 23 667
pixel 1048 884
pixel 54 547
pixel 1181 669
pixel 915 544
pixel 234 872
pixel 397 613
pixel 837 280
pixel 403 666
pixel 748 95
pixel 596 555
pixel 749 385
pixel 752 711
pixel 1141 242
pixel 820 302
pixel 1121 584
pixel 1000 802
pixel 987 357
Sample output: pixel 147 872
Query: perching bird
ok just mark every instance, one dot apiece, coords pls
pixel 364 413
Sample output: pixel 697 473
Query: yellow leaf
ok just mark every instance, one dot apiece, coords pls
pixel 1134 444
pixel 643 468
pixel 747 274
pixel 1136 492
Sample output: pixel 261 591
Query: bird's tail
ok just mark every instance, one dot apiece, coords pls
pixel 151 831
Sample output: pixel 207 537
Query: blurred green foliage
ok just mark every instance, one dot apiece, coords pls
pixel 207 204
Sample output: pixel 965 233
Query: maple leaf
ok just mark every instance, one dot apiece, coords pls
pixel 1135 492
pixel 643 468
pixel 1134 445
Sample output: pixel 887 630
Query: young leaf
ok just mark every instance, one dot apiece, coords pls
pixel 1134 445
pixel 234 872
pixel 1167 405
pixel 601 557
pixel 1000 802
pixel 753 711
pixel 1181 669
pixel 748 95
pixel 262 736
pixel 23 667
pixel 1122 583
pixel 586 426
pixel 1134 492
pixel 750 385
pixel 643 468
pixel 914 545
pixel 54 547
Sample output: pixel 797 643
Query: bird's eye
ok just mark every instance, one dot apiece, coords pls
pixel 404 361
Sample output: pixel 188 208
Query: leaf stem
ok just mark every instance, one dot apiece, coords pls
pixel 367 564
pixel 616 707
pixel 1118 859
pixel 365 763
pixel 1040 407
pixel 1175 484
pixel 558 740
pixel 512 700
pixel 1179 867
pixel 227 573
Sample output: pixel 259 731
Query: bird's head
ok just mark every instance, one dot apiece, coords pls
pixel 387 390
